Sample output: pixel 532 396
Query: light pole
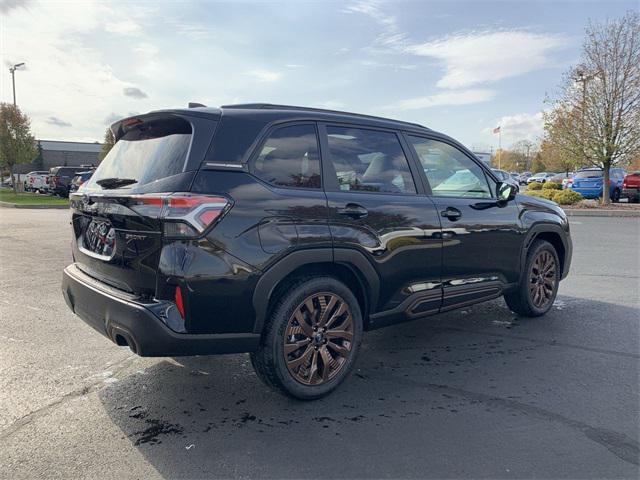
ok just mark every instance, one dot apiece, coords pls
pixel 583 78
pixel 13 79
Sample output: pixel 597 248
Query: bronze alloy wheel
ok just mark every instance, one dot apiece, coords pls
pixel 318 338
pixel 542 279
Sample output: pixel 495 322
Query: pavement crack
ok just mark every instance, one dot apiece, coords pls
pixel 58 402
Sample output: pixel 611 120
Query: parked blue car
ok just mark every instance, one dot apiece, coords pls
pixel 588 183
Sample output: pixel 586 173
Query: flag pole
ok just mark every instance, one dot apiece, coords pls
pixel 500 148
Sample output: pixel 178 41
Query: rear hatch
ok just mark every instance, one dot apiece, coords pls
pixel 631 180
pixel 117 215
pixel 588 179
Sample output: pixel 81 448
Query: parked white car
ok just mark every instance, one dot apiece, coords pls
pixel 37 181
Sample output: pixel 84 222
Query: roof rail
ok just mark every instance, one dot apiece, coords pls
pixel 271 106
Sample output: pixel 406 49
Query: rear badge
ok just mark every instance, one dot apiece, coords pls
pixel 100 238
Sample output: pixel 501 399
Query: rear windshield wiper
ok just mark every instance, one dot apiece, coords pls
pixel 115 182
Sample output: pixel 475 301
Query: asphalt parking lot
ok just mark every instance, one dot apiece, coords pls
pixel 468 394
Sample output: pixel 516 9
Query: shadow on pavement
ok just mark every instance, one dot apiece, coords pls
pixel 473 393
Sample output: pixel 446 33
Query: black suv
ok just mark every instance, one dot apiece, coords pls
pixel 286 232
pixel 60 178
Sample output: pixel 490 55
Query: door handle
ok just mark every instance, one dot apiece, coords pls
pixel 353 210
pixel 451 213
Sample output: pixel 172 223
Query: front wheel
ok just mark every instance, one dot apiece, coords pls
pixel 311 340
pixel 539 283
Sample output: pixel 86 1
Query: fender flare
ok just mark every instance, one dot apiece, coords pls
pixel 546 227
pixel 271 277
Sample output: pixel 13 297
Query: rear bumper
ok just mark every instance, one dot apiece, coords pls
pixel 630 192
pixel 120 317
pixel 588 192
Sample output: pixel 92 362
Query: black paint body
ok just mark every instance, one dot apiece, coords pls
pixel 404 259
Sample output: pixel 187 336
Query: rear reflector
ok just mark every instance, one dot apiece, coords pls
pixel 178 300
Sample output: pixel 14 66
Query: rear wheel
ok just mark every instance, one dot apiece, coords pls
pixel 538 286
pixel 311 339
pixel 615 198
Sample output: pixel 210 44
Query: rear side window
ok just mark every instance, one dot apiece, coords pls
pixel 147 152
pixel 289 158
pixel 369 161
pixel 588 174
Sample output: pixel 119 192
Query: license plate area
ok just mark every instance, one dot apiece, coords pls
pixel 99 240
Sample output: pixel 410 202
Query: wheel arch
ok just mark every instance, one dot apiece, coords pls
pixel 556 236
pixel 348 266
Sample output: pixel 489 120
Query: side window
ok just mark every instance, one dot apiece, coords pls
pixel 450 172
pixel 369 161
pixel 289 158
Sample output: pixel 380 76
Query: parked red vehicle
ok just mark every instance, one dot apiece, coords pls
pixel 631 187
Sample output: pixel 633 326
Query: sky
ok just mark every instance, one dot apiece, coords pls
pixel 462 68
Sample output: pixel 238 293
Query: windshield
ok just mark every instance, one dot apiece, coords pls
pixel 149 151
pixel 588 174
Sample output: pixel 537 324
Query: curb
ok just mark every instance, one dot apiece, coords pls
pixel 602 213
pixel 33 207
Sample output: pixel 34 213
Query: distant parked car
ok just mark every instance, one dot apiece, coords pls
pixel 60 179
pixel 631 187
pixel 541 177
pixel 78 180
pixel 524 176
pixel 588 183
pixel 36 181
pixel 506 178
pixel 562 178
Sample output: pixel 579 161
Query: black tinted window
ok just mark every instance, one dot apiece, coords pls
pixel 588 174
pixel 369 161
pixel 289 158
pixel 148 151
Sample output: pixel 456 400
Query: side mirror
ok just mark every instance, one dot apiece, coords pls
pixel 506 192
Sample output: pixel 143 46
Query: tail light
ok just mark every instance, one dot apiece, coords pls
pixel 184 215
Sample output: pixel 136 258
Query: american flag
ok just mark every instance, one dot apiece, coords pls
pixel 496 130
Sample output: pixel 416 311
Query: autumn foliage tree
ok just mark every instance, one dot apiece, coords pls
pixel 17 145
pixel 596 119
pixel 107 144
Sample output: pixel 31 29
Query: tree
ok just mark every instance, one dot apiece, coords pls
pixel 556 159
pixel 517 158
pixel 16 141
pixel 107 144
pixel 597 117
pixel 538 165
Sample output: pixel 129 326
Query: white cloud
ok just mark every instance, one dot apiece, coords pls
pixel 123 26
pixel 460 97
pixel 263 75
pixel 390 36
pixel 193 31
pixel 485 57
pixel 521 126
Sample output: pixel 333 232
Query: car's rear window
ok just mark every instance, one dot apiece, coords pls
pixel 588 174
pixel 148 151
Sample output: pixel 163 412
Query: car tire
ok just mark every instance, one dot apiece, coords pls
pixel 319 363
pixel 538 285
pixel 616 196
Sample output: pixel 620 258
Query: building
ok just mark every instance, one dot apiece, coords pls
pixel 56 153
pixel 485 157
